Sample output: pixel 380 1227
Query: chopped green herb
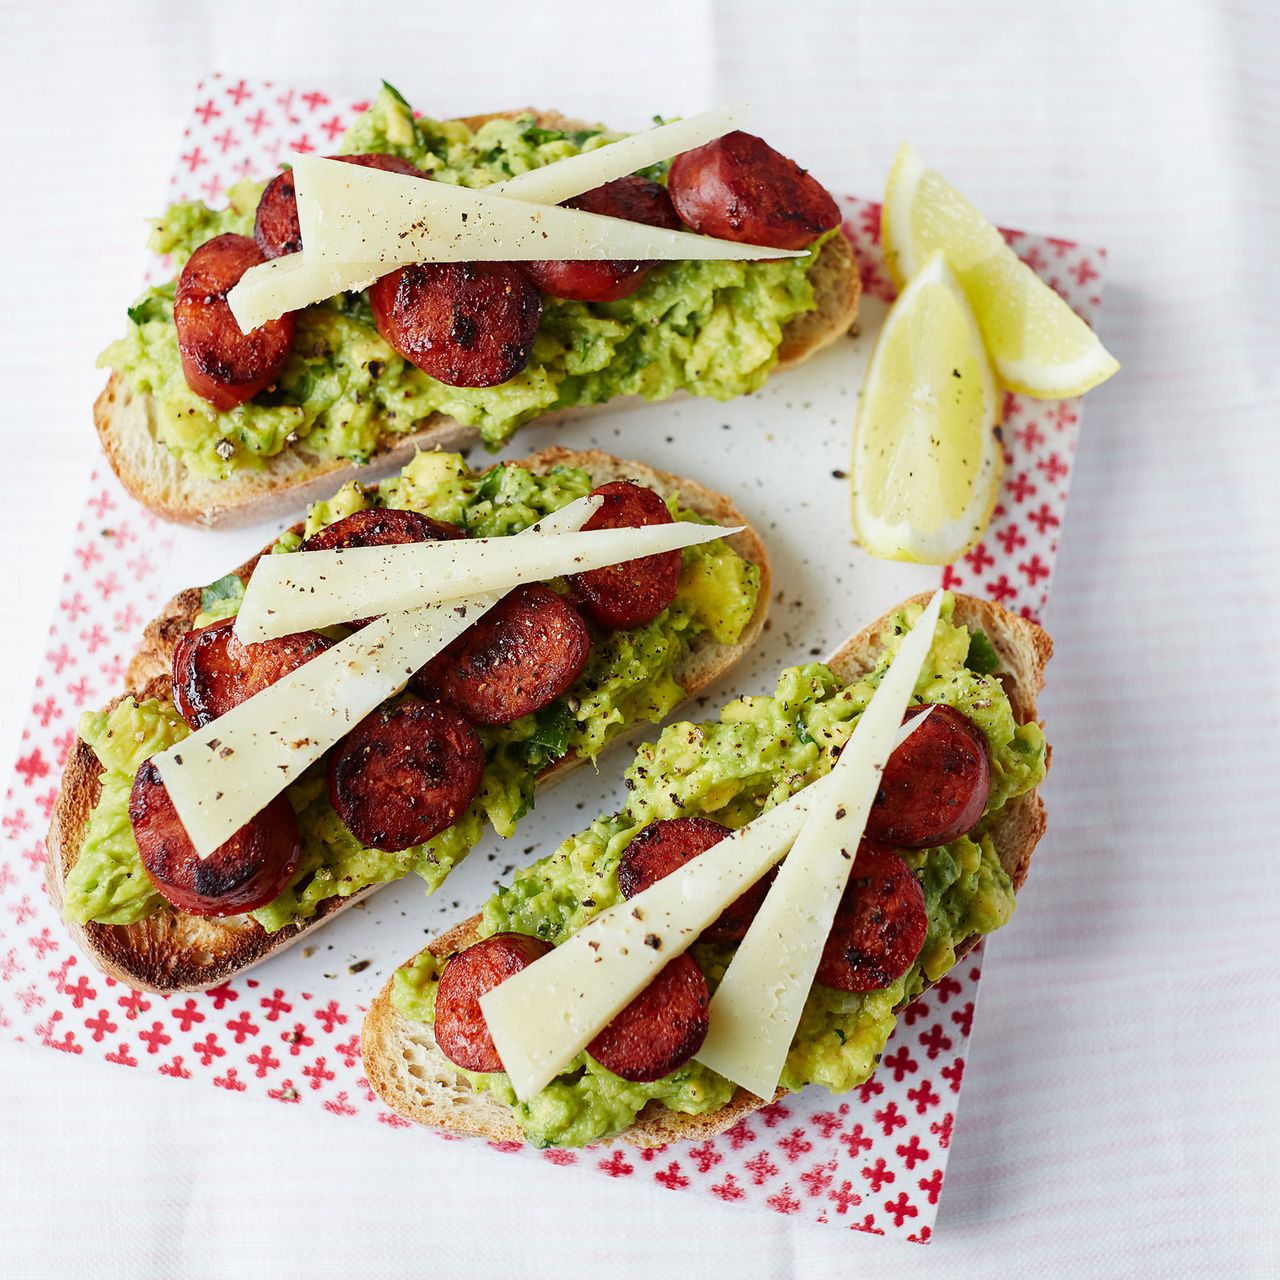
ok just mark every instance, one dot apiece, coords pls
pixel 489 485
pixel 536 135
pixel 982 657
pixel 228 588
pixel 145 309
pixel 550 739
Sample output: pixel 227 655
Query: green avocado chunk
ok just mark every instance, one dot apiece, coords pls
pixel 760 751
pixel 629 679
pixel 107 883
pixel 709 328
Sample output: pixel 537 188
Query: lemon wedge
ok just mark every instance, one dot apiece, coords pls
pixel 926 459
pixel 1040 346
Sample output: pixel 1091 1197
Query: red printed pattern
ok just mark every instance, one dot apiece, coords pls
pixel 872 1161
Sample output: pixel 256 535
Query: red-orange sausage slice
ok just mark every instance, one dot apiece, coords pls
pixel 935 785
pixel 405 773
pixel 665 846
pixel 739 188
pixel 582 280
pixel 467 324
pixel 214 671
pixel 221 364
pixel 379 527
pixel 630 594
pixel 248 871
pixel 880 924
pixel 460 1028
pixel 661 1029
pixel 275 225
pixel 523 654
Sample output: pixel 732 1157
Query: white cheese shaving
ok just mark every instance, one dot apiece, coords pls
pixel 354 214
pixel 563 179
pixel 272 289
pixel 314 589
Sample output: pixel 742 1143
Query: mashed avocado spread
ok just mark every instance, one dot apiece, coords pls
pixel 709 328
pixel 629 678
pixel 760 751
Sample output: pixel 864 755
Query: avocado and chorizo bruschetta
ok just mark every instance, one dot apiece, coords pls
pixel 951 830
pixel 205 424
pixel 549 678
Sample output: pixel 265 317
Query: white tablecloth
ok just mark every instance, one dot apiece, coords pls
pixel 1122 1110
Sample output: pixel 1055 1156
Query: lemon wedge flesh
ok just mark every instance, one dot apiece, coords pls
pixel 926 459
pixel 1040 346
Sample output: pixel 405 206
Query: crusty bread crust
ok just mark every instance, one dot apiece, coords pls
pixel 126 420
pixel 173 951
pixel 418 1082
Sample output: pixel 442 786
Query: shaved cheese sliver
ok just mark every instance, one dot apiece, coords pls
pixel 269 290
pixel 544 1016
pixel 563 179
pixel 223 774
pixel 756 1008
pixel 319 588
pixel 354 214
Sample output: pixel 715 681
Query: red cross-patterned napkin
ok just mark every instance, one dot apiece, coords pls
pixel 873 1160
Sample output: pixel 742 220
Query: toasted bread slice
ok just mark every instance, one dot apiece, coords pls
pixel 173 951
pixel 126 420
pixel 418 1082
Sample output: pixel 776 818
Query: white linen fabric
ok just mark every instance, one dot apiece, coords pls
pixel 1121 1111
